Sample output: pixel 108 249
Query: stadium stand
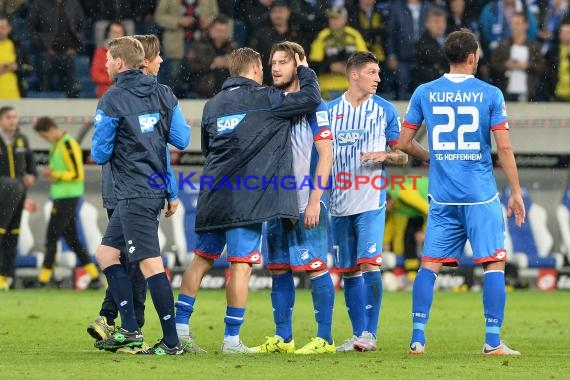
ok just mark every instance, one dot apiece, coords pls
pixel 563 216
pixel 532 242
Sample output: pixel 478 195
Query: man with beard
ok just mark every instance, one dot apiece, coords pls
pixel 303 248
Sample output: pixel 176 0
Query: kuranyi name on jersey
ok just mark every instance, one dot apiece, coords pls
pixel 448 96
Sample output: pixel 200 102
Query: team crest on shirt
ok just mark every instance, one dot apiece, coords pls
pixel 303 253
pixel 371 247
pixel 349 138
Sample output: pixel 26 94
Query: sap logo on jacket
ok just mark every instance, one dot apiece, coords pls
pixel 227 124
pixel 148 121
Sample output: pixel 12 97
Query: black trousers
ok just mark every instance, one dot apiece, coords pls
pixel 138 283
pixel 12 197
pixel 62 223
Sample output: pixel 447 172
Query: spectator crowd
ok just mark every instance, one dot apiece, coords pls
pixel 56 48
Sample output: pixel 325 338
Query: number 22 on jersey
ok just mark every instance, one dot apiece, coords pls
pixel 462 129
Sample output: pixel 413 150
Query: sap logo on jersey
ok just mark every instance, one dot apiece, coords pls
pixel 348 138
pixel 148 121
pixel 227 124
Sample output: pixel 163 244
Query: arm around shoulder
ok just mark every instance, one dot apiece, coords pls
pixel 301 102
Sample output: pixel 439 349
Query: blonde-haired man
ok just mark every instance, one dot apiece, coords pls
pixel 134 121
pixel 246 133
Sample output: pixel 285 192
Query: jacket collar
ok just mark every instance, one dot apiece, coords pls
pixel 239 81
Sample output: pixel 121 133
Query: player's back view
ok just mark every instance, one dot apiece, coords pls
pixel 460 113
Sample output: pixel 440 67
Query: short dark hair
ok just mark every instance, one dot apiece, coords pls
pixel 5 109
pixel 44 124
pixel 436 12
pixel 220 19
pixel 359 59
pixel 459 45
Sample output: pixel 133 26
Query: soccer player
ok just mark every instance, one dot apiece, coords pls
pixel 104 325
pixel 135 120
pixel 303 248
pixel 246 133
pixel 67 176
pixel 17 173
pixel 460 113
pixel 363 125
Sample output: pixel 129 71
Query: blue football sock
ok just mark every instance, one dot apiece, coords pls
pixel 283 300
pixel 120 287
pixel 422 298
pixel 234 319
pixel 494 298
pixel 322 290
pixel 163 300
pixel 372 299
pixel 354 299
pixel 184 308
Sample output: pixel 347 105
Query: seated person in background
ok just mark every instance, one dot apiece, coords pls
pixel 430 62
pixel 98 70
pixel 14 63
pixel 57 42
pixel 207 59
pixel 517 64
pixel 330 50
pixel 557 78
pixel 278 29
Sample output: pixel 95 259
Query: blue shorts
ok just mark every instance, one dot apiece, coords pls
pixel 358 239
pixel 299 249
pixel 449 227
pixel 244 244
pixel 133 228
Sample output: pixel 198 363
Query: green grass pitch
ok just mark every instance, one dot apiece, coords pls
pixel 42 336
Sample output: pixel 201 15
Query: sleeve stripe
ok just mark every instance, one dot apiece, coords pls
pixel 407 124
pixel 73 159
pixel 323 134
pixel 504 126
pixel 392 142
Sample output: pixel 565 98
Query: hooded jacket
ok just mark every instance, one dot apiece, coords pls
pixel 246 139
pixel 134 121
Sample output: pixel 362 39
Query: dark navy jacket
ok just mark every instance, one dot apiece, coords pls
pixel 246 131
pixel 134 121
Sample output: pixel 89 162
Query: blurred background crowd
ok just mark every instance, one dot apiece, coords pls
pixel 56 48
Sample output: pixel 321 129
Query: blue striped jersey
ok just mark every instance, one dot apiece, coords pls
pixel 369 128
pixel 306 130
pixel 460 111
